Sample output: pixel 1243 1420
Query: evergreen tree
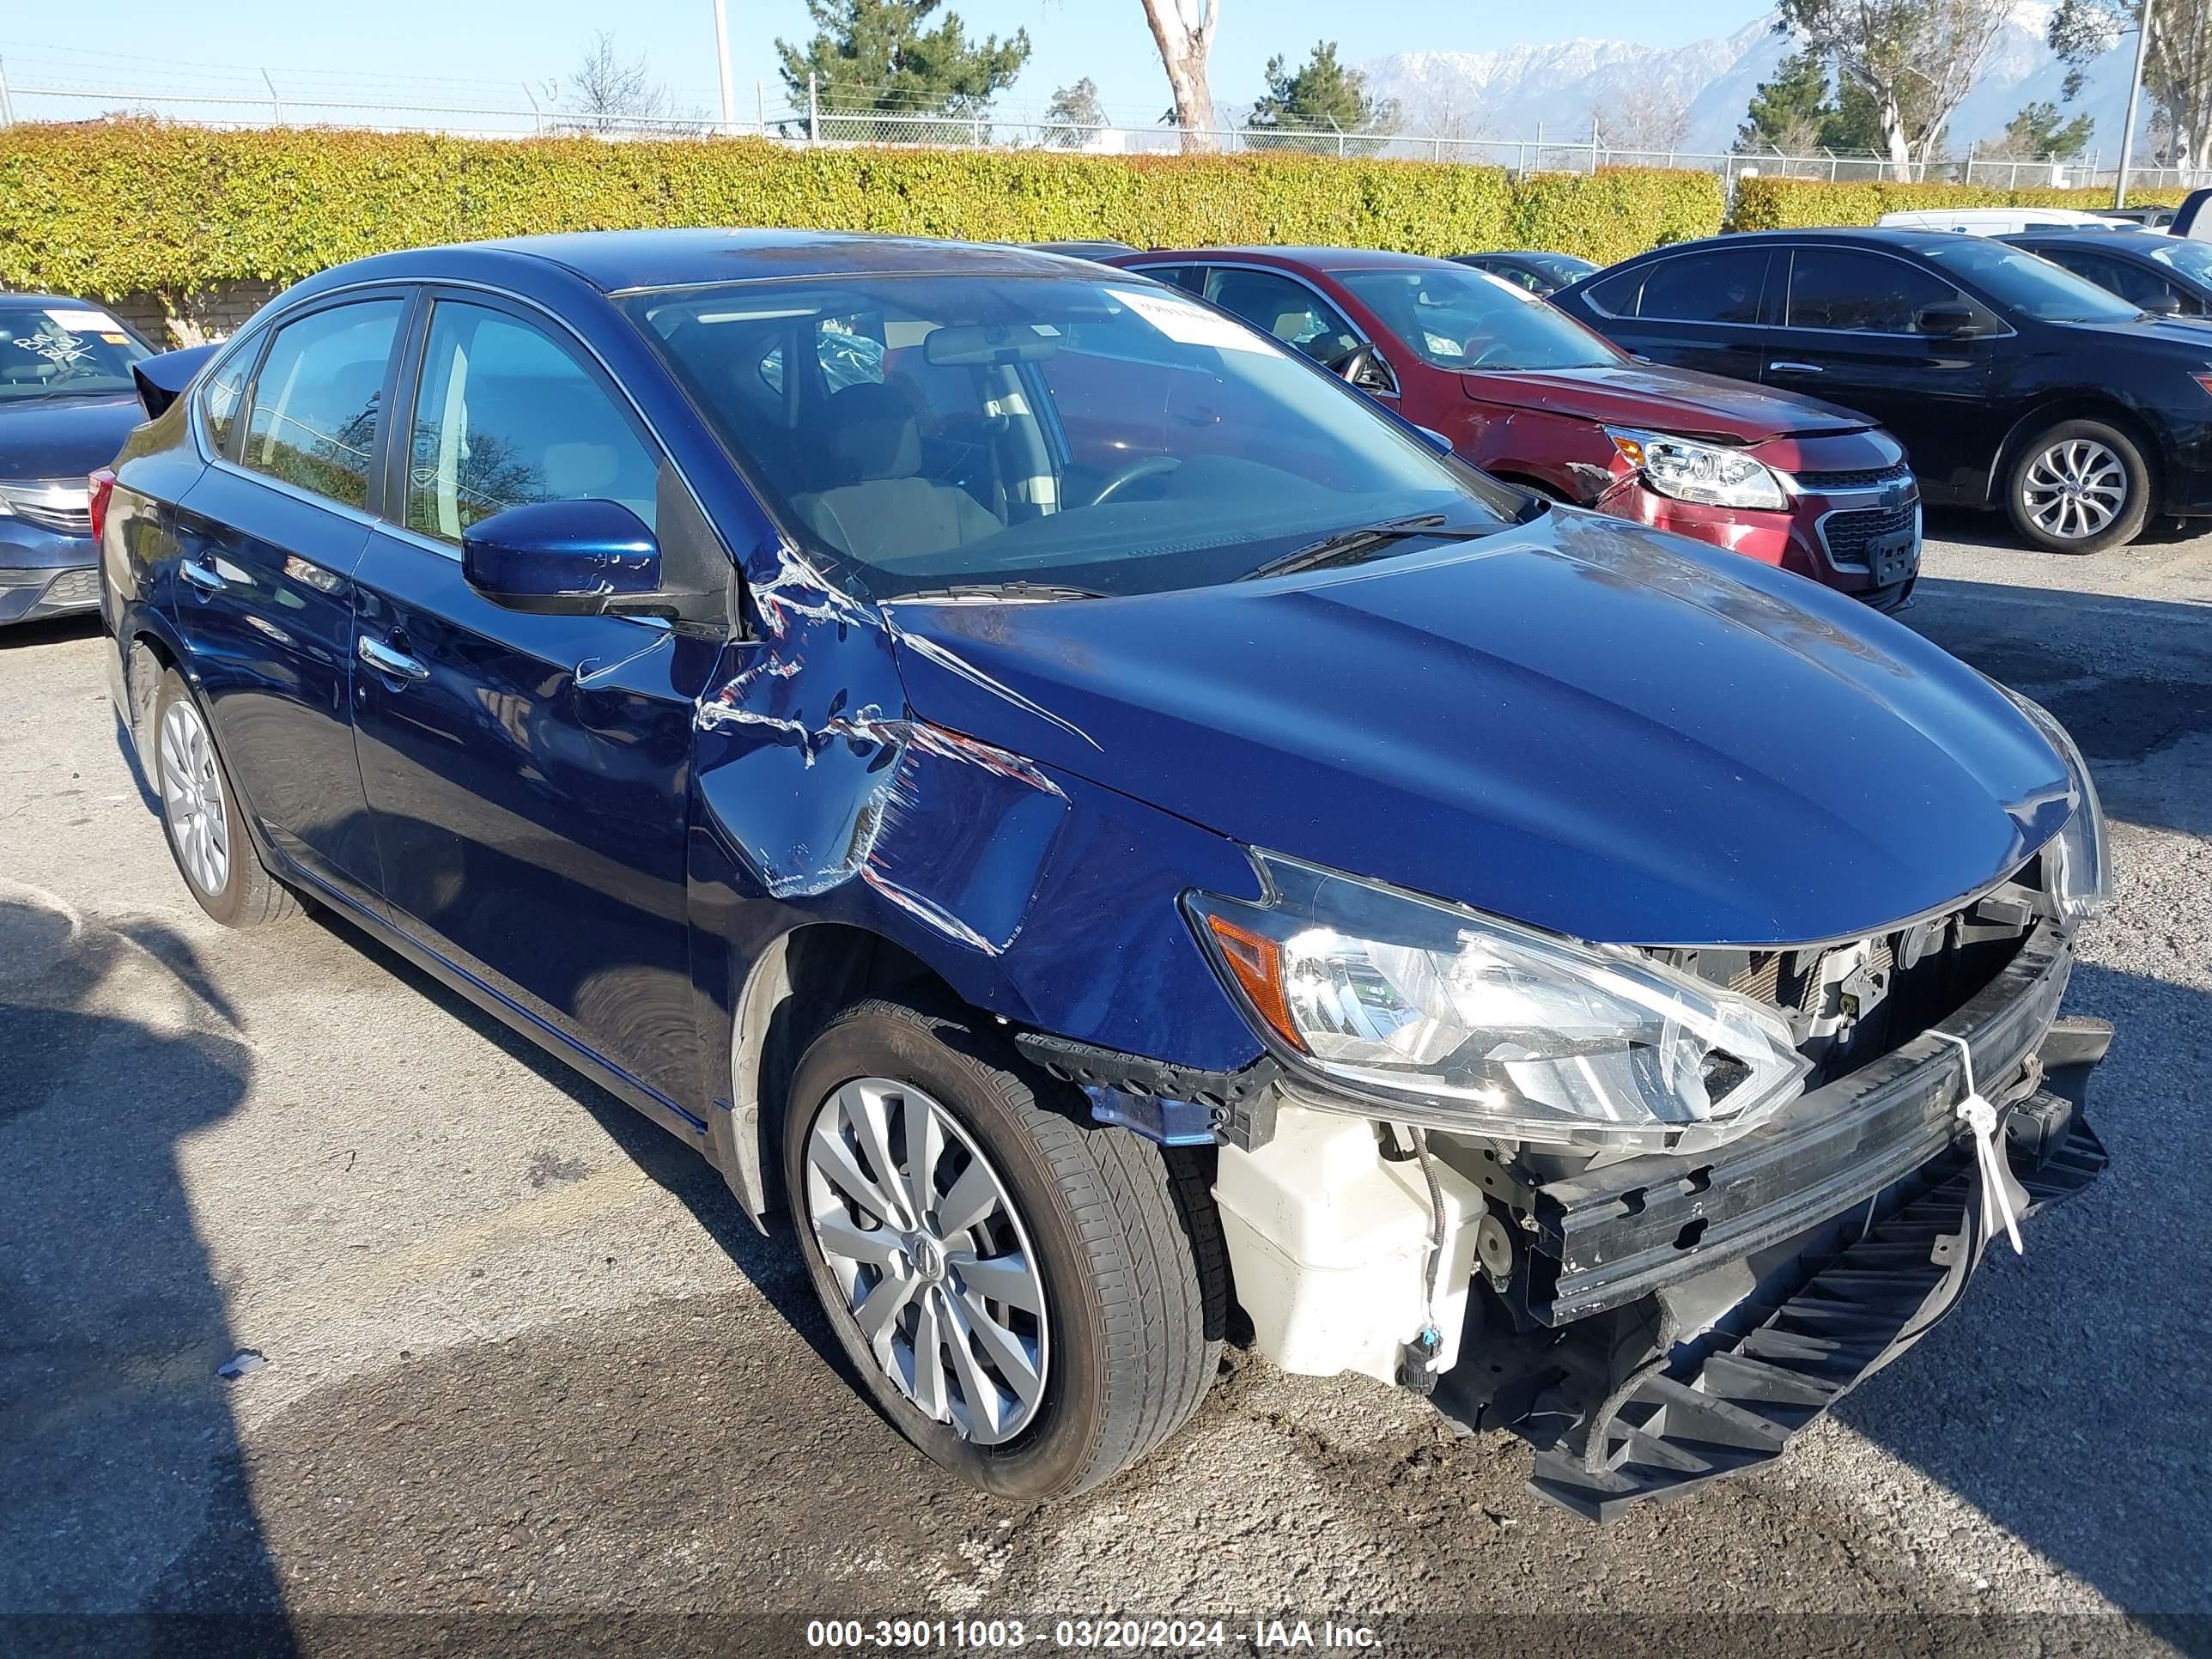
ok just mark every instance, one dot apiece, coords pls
pixel 1323 95
pixel 878 54
pixel 2037 132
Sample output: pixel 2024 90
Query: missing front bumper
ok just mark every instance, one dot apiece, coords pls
pixel 1622 1412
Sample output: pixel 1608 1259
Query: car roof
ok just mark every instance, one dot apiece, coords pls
pixel 1308 259
pixel 1898 237
pixel 617 261
pixel 2102 241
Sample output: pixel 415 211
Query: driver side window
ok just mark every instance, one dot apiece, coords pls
pixel 1289 310
pixel 506 417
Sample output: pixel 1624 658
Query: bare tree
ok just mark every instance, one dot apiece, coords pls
pixel 1644 115
pixel 1183 30
pixel 1915 60
pixel 607 94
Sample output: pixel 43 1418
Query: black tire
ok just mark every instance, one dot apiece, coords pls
pixel 247 894
pixel 2087 436
pixel 1124 1233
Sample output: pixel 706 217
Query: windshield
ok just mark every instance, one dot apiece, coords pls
pixel 1456 318
pixel 2034 287
pixel 1107 435
pixel 2191 258
pixel 55 348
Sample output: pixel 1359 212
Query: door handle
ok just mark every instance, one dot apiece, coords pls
pixel 201 576
pixel 1786 367
pixel 385 660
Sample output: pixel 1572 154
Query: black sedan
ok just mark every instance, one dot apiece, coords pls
pixel 1542 274
pixel 2012 383
pixel 2171 275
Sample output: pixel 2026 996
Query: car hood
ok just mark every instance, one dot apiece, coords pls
pixel 1579 723
pixel 63 437
pixel 1677 400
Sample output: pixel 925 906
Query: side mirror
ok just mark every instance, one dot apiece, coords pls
pixel 2162 305
pixel 1436 440
pixel 562 558
pixel 1363 367
pixel 1947 320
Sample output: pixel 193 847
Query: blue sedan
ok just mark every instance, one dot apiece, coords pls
pixel 1099 824
pixel 67 402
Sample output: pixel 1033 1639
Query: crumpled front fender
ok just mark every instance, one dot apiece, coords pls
pixel 1034 894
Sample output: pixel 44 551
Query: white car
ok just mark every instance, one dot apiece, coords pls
pixel 2000 221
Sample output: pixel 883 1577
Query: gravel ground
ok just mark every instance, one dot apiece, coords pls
pixel 508 1351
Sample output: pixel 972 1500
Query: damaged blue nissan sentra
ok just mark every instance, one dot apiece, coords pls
pixel 1120 839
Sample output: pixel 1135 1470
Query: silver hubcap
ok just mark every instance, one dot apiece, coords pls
pixel 936 1269
pixel 191 798
pixel 2075 488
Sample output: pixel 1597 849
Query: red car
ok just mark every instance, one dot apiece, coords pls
pixel 1528 393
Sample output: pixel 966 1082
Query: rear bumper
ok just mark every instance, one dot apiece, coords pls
pixel 1611 1236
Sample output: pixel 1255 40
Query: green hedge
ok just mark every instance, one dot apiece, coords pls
pixel 1764 203
pixel 111 208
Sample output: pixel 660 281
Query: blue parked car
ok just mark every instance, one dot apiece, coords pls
pixel 67 402
pixel 1103 827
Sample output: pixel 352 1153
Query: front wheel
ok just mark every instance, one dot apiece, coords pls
pixel 2079 487
pixel 1034 1303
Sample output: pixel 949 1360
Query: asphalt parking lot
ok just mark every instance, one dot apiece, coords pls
pixel 507 1349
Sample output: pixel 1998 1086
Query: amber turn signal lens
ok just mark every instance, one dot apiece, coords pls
pixel 1257 962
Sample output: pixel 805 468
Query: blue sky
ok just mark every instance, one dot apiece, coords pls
pixel 179 45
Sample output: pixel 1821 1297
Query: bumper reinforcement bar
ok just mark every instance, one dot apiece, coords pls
pixel 1857 1309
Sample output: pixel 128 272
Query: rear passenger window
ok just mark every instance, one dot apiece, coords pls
pixel 314 418
pixel 507 417
pixel 1720 287
pixel 1863 293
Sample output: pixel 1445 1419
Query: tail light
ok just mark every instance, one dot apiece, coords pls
pixel 99 486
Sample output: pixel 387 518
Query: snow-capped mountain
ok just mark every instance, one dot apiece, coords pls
pixel 1509 92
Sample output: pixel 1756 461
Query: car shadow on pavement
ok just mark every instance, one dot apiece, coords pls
pixel 126 1487
pixel 2066 1397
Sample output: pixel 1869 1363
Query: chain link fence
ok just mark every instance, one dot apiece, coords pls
pixel 232 104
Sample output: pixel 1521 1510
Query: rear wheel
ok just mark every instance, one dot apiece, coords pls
pixel 1034 1303
pixel 2079 487
pixel 203 820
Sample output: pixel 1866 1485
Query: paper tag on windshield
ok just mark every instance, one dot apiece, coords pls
pixel 78 321
pixel 1186 324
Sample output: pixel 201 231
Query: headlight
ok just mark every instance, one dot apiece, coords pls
pixel 1460 1021
pixel 2079 862
pixel 1692 471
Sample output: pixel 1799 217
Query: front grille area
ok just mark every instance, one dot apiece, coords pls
pixel 68 520
pixel 1911 978
pixel 1847 534
pixel 74 589
pixel 1873 478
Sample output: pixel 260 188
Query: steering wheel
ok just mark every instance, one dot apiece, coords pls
pixel 1494 348
pixel 1150 466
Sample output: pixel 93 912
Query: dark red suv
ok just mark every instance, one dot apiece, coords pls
pixel 1528 394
